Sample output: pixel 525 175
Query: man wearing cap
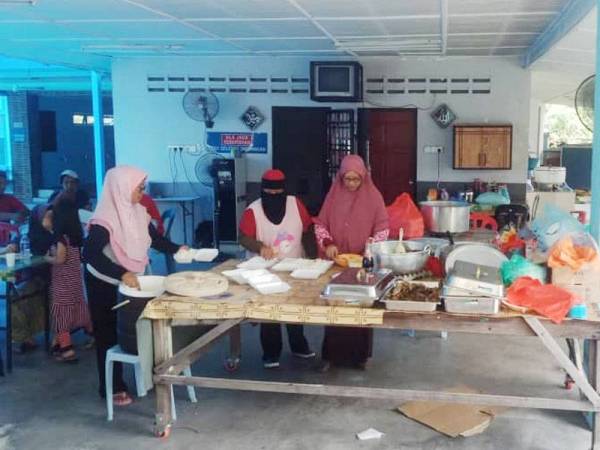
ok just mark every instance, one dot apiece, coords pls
pixel 69 180
pixel 273 227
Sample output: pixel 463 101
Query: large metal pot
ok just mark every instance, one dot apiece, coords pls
pixel 446 216
pixel 412 261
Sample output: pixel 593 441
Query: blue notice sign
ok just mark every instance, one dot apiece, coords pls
pixel 226 142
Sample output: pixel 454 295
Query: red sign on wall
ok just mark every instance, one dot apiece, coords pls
pixel 239 140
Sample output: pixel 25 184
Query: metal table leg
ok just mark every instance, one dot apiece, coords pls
pixel 9 362
pixel 184 217
pixel 594 376
pixel 232 363
pixel 163 350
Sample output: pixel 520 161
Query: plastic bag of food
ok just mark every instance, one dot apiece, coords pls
pixel 403 213
pixel 553 225
pixel 547 300
pixel 518 266
pixel 492 198
pixel 574 251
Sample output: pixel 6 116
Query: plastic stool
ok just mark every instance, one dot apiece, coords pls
pixel 116 354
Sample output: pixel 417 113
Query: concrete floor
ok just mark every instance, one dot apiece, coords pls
pixel 48 405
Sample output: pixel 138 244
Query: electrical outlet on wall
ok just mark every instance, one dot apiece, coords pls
pixel 433 149
pixel 191 149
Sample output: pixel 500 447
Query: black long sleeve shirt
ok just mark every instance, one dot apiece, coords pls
pixel 99 237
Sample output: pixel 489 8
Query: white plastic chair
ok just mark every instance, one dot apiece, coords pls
pixel 116 354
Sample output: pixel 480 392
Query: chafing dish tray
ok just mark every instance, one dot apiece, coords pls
pixel 350 285
pixel 472 305
pixel 479 280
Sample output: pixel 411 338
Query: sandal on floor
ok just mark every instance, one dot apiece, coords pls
pixel 67 355
pixel 122 399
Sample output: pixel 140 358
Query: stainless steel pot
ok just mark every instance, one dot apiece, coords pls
pixel 446 216
pixel 412 261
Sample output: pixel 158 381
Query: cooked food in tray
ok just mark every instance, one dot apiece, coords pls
pixel 416 292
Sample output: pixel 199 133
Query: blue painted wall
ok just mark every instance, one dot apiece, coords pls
pixel 75 143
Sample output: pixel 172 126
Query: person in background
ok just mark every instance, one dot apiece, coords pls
pixel 28 313
pixel 69 180
pixel 11 208
pixel 69 310
pixel 353 212
pixel 115 251
pixel 40 233
pixel 273 226
pixel 148 203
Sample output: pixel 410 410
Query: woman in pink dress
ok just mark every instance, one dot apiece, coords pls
pixel 352 213
pixel 69 310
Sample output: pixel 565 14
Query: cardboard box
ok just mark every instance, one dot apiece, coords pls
pixel 585 282
pixel 452 419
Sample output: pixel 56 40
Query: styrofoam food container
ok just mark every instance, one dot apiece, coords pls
pixel 287 264
pixel 251 274
pixel 150 286
pixel 274 287
pixel 307 274
pixel 206 254
pixel 257 262
pixel 235 275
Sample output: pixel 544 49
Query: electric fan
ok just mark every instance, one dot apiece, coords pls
pixel 584 102
pixel 201 106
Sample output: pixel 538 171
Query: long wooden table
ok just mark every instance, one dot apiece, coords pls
pixel 302 305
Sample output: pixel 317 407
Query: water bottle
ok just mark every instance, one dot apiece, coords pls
pixel 24 246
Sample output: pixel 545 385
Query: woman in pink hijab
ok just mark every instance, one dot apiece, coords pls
pixel 352 213
pixel 115 251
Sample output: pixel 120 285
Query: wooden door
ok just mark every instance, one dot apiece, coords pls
pixel 391 135
pixel 300 150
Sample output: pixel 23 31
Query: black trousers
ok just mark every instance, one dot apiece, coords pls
pixel 102 297
pixel 271 341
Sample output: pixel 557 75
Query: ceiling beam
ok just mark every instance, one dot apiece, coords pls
pixel 569 16
pixel 444 24
pixel 320 27
pixel 184 23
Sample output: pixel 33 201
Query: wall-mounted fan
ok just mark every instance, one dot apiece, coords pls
pixel 584 102
pixel 201 106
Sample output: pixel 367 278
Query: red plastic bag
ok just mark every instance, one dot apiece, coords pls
pixel 403 213
pixel 547 300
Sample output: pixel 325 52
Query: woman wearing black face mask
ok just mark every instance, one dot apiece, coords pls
pixel 273 227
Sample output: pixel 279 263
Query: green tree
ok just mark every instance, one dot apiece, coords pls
pixel 564 127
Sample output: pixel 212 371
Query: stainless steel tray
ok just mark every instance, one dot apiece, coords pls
pixel 478 279
pixel 347 285
pixel 472 305
pixel 409 305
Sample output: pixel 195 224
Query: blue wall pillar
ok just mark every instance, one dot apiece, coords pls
pixel 595 219
pixel 98 130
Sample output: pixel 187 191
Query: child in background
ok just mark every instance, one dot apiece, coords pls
pixel 69 310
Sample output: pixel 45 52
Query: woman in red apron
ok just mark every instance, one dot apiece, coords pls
pixel 273 227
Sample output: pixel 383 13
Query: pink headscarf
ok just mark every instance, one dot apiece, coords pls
pixel 353 217
pixel 127 223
